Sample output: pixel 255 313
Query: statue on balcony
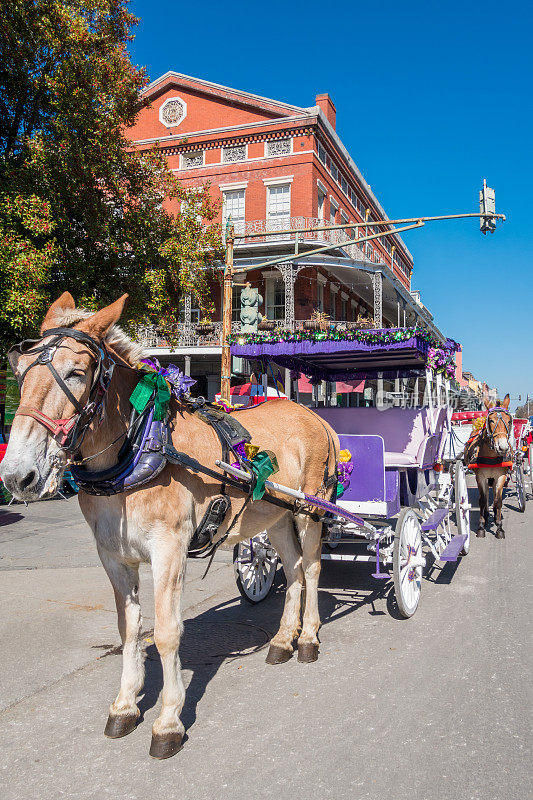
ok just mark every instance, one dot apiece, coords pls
pixel 250 316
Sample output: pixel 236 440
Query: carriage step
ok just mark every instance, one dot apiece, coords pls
pixel 453 548
pixel 433 522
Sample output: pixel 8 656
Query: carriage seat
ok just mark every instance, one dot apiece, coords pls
pixel 406 432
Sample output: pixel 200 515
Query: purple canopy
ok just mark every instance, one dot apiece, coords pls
pixel 343 359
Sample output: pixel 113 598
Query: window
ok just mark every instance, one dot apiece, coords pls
pixel 332 301
pixel 321 205
pixel 354 313
pixel 234 153
pixel 320 296
pixel 275 299
pixel 192 160
pixel 333 208
pixel 278 206
pixel 195 312
pixel 321 153
pixel 344 310
pixel 344 218
pixel 236 303
pixel 279 147
pixel 233 207
pixel 344 185
pixel 334 172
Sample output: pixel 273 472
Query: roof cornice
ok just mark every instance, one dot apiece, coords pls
pixel 246 98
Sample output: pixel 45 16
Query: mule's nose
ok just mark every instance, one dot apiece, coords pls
pixel 17 483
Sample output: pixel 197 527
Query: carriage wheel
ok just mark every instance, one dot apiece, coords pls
pixel 255 563
pixel 462 506
pixel 519 484
pixel 406 562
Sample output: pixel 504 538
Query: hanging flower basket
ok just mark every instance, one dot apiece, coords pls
pixel 266 325
pixel 205 328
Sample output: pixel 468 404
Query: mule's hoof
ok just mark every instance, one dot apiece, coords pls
pixel 165 745
pixel 278 655
pixel 480 533
pixel 500 534
pixel 119 725
pixel 307 652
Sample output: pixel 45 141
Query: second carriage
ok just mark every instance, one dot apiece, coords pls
pixel 397 492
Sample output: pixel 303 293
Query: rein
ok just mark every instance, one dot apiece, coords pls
pixel 68 432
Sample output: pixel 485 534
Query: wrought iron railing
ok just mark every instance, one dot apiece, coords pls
pixel 188 336
pixel 293 224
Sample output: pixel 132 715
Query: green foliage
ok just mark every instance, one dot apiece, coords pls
pixel 79 208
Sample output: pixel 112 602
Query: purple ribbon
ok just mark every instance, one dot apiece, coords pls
pixel 180 383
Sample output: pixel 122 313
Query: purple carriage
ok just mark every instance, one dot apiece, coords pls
pixel 397 489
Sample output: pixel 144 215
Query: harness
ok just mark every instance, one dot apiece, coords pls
pixel 486 434
pixel 147 443
pixel 68 432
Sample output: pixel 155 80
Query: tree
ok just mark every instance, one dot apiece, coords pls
pixel 79 208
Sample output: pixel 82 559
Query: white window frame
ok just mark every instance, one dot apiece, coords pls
pixel 270 288
pixel 277 183
pixel 322 192
pixel 230 189
pixel 333 204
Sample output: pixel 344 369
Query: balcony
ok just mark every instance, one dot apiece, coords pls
pixel 305 241
pixel 186 336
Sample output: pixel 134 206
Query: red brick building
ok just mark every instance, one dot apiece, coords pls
pixel 277 166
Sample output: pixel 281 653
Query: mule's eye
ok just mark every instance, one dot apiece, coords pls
pixel 75 373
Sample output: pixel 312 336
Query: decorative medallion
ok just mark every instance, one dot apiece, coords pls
pixel 173 112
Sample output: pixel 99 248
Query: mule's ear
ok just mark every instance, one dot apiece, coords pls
pixel 486 402
pixel 506 401
pixel 98 324
pixel 63 303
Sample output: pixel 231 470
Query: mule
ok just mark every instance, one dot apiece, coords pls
pixel 492 462
pixel 155 523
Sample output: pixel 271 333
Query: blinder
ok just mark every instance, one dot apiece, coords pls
pixel 499 411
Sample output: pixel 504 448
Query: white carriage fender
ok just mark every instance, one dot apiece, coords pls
pixel 413 561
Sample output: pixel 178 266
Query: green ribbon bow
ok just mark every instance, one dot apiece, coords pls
pixel 151 382
pixel 263 464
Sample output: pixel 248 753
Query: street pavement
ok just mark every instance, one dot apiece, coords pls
pixel 438 706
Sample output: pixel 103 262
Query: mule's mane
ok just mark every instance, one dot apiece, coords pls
pixel 116 338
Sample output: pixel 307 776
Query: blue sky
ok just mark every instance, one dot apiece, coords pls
pixel 431 98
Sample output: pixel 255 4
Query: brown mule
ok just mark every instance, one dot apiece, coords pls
pixel 155 523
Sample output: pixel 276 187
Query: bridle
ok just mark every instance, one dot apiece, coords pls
pixel 68 432
pixel 491 430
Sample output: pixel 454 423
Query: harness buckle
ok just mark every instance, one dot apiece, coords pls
pixel 47 355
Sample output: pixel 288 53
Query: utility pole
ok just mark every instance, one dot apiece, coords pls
pixel 226 315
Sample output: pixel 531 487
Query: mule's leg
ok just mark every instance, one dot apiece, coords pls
pixel 499 485
pixel 483 489
pixel 123 713
pixel 284 541
pixel 168 566
pixel 310 538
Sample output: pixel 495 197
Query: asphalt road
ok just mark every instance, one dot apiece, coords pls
pixel 434 707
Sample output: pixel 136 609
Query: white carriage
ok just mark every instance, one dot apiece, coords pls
pixel 404 487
